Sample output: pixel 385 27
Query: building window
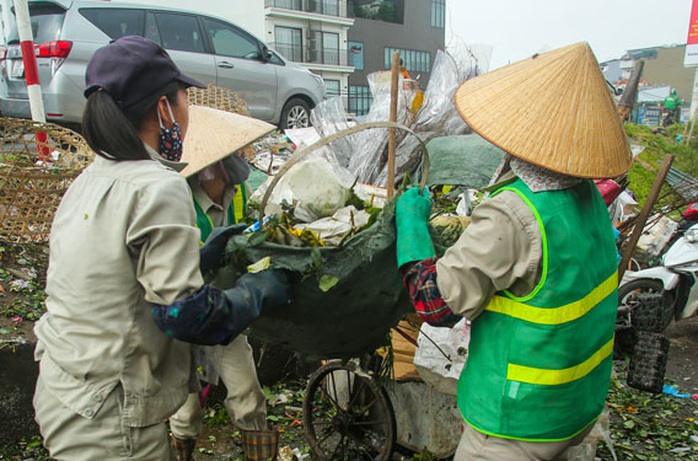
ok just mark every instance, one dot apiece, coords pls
pixel 356 55
pixel 359 99
pixel 330 48
pixel 330 7
pixel 289 42
pixel 414 61
pixel 438 13
pixel 290 4
pixel 332 87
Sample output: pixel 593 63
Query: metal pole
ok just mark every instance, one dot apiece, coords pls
pixel 690 133
pixel 394 80
pixel 31 74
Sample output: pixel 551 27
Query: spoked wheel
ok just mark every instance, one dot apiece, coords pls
pixel 347 416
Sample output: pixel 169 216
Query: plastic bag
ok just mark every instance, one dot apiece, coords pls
pixel 334 229
pixel 433 362
pixel 327 194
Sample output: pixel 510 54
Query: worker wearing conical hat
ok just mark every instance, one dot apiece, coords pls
pixel 216 175
pixel 536 271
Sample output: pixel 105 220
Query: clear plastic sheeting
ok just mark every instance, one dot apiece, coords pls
pixel 371 156
pixel 430 114
pixel 438 107
pixel 437 117
pixel 472 59
pixel 328 118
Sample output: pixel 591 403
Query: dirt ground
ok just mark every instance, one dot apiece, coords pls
pixel 683 354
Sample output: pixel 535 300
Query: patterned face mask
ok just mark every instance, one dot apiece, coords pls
pixel 170 139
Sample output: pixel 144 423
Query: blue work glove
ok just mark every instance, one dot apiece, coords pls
pixel 212 251
pixel 412 223
pixel 211 316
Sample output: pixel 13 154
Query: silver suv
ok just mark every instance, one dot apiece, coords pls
pixel 210 49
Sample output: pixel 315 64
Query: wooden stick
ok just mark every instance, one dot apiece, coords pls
pixel 394 80
pixel 629 248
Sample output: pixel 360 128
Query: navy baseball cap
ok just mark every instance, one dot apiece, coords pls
pixel 132 68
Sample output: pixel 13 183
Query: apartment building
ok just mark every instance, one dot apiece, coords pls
pixel 314 34
pixel 414 28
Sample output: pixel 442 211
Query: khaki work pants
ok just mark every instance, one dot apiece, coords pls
pixel 245 399
pixel 476 446
pixel 71 437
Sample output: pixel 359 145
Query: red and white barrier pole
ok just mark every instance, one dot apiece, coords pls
pixel 31 72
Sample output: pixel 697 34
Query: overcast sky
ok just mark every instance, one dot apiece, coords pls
pixel 519 28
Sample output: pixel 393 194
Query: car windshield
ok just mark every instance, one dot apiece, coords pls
pixel 46 20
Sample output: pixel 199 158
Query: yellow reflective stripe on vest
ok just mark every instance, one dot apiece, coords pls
pixel 239 200
pixel 547 377
pixel 554 315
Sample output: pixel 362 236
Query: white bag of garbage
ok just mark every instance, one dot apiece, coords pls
pixel 441 354
pixel 333 229
pixel 312 186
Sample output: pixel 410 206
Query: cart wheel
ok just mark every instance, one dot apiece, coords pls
pixel 347 416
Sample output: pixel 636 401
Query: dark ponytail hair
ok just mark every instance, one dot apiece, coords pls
pixel 112 132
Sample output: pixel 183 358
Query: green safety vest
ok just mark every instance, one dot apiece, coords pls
pixel 540 365
pixel 235 213
pixel 670 102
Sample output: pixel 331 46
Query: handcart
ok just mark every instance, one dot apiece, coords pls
pixel 354 410
pixel 348 407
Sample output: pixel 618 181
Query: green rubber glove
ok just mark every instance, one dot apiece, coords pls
pixel 412 222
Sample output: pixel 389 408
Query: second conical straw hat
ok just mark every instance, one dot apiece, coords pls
pixel 554 110
pixel 215 134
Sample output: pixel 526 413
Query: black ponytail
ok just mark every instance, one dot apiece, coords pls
pixel 108 132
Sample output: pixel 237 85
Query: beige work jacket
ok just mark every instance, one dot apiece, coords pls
pixel 123 238
pixel 501 249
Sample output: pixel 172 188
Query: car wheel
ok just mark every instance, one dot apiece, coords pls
pixel 296 114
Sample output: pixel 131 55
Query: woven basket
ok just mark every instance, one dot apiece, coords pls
pixel 30 191
pixel 650 313
pixel 648 362
pixel 217 97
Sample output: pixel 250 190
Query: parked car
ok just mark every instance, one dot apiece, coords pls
pixel 211 49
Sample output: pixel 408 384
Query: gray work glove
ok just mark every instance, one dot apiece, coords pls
pixel 263 292
pixel 211 316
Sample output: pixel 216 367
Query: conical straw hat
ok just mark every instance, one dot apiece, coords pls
pixel 554 110
pixel 215 134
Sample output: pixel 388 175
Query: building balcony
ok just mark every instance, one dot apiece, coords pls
pixel 313 55
pixel 335 8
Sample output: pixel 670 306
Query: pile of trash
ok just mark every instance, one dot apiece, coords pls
pixel 339 190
